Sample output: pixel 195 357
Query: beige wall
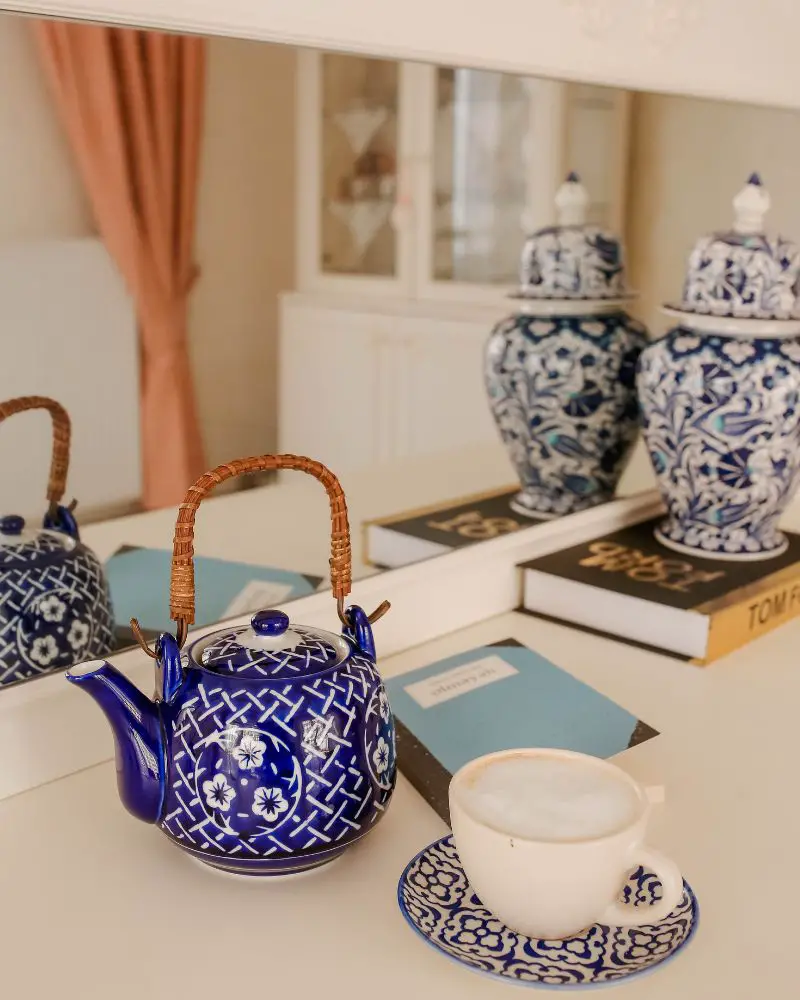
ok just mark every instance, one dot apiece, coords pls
pixel 245 218
pixel 245 244
pixel 40 193
pixel 689 158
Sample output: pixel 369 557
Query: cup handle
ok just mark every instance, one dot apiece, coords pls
pixel 628 915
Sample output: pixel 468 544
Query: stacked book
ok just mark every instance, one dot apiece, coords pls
pixel 628 586
pixel 624 585
pixel 432 531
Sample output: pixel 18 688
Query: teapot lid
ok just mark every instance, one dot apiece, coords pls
pixel 270 648
pixel 21 544
pixel 743 273
pixel 573 259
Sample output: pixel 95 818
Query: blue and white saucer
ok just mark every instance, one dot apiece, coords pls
pixel 438 903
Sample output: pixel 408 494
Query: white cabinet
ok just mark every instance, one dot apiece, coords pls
pixel 416 187
pixel 361 386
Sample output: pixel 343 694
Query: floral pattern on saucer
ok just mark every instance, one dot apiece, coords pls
pixel 438 903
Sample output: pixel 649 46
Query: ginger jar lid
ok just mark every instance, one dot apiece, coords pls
pixel 270 648
pixel 742 273
pixel 22 545
pixel 573 260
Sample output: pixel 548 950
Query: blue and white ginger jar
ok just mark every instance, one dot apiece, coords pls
pixel 720 393
pixel 560 371
pixel 55 605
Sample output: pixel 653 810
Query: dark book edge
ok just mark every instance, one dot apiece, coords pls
pixel 424 771
pixel 605 635
pixel 504 642
pixel 492 506
pixel 718 590
pixel 641 734
pixel 440 507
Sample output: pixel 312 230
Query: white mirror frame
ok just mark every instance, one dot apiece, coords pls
pixel 725 49
pixel 49 730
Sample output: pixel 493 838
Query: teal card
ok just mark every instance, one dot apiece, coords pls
pixel 139 582
pixel 499 697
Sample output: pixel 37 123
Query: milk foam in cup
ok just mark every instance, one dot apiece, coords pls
pixel 548 838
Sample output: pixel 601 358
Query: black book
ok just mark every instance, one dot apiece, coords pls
pixel 420 534
pixel 629 586
pixel 498 697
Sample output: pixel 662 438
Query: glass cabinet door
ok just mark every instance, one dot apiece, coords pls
pixel 500 147
pixel 480 175
pixel 597 148
pixel 358 164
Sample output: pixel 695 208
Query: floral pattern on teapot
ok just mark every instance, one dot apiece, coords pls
pixel 279 771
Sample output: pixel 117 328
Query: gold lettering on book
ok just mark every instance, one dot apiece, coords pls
pixel 473 525
pixel 671 574
pixel 779 604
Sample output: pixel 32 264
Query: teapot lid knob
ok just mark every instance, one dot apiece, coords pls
pixel 269 622
pixel 12 524
pixel 572 201
pixel 750 206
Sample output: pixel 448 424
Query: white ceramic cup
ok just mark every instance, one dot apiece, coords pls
pixel 552 889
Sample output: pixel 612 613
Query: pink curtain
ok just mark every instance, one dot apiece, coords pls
pixel 132 104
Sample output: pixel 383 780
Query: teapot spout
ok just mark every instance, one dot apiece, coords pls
pixel 138 736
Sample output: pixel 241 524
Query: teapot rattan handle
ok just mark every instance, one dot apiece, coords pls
pixel 59 463
pixel 182 588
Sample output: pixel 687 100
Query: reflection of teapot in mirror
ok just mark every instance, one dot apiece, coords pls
pixel 55 608
pixel 269 748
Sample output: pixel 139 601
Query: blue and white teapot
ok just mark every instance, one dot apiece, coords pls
pixel 55 607
pixel 560 371
pixel 720 393
pixel 270 747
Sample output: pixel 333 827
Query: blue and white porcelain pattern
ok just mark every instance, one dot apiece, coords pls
pixel 285 772
pixel 721 408
pixel 251 773
pixel 560 371
pixel 722 424
pixel 744 273
pixel 562 392
pixel 572 260
pixel 55 607
pixel 438 903
pixel 293 652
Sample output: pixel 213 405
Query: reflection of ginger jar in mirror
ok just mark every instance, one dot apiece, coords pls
pixel 720 393
pixel 55 608
pixel 270 747
pixel 560 371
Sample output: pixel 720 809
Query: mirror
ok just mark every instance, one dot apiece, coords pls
pixel 315 270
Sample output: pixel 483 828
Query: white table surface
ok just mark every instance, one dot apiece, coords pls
pixel 94 903
pixel 98 904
